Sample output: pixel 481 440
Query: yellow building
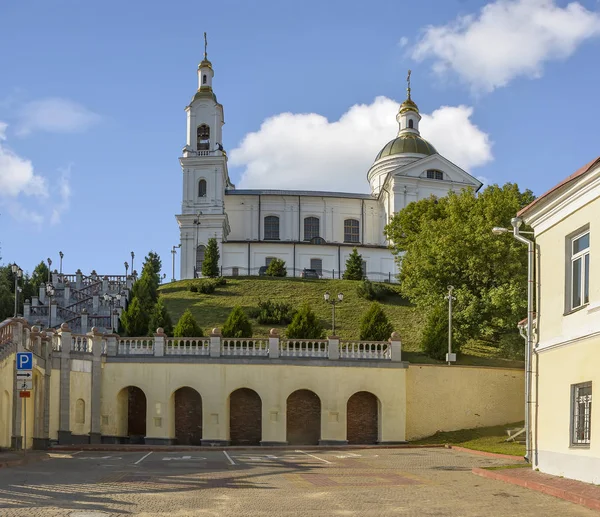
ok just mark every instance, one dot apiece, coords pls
pixel 566 357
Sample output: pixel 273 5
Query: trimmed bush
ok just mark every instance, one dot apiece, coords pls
pixel 187 326
pixel 237 325
pixel 276 268
pixel 375 325
pixel 193 288
pixel 269 313
pixel 305 325
pixel 159 317
pixel 354 270
pixel 220 281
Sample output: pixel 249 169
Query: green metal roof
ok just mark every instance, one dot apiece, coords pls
pixel 407 143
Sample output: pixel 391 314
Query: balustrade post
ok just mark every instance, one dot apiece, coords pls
pixel 27 309
pixel 111 344
pixel 64 401
pixel 67 295
pixel 334 347
pixel 395 347
pixel 55 278
pixel 215 343
pixel 43 440
pixel 53 309
pixel 114 322
pixel 159 342
pixel 42 293
pixel 105 284
pixel 273 344
pixel 95 342
pixel 84 320
pixel 78 279
pixel 35 301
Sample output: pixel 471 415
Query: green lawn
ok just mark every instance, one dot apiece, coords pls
pixel 212 310
pixel 488 439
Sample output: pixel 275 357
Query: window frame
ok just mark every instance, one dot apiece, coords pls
pixel 434 174
pixel 577 400
pixel 200 252
pixel 267 235
pixel 312 218
pixel 202 181
pixel 351 233
pixel 203 140
pixel 319 270
pixel 583 281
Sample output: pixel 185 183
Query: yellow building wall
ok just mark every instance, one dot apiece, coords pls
pixel 448 398
pixel 7 367
pixel 80 406
pixel 54 403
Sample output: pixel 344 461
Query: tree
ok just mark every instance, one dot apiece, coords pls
pixel 448 241
pixel 276 268
pixel 354 266
pixel 237 324
pixel 146 291
pixel 375 325
pixel 160 318
pixel 39 275
pixel 434 339
pixel 187 326
pixel 210 266
pixel 305 325
pixel 135 319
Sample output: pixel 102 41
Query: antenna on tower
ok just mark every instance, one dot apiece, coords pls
pixel 407 81
pixel 205 45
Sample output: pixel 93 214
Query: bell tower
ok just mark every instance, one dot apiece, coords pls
pixel 204 174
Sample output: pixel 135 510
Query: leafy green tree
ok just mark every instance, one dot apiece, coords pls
pixel 354 269
pixel 237 324
pixel 305 325
pixel 39 275
pixel 7 300
pixel 276 268
pixel 434 338
pixel 375 325
pixel 135 319
pixel 187 326
pixel 448 241
pixel 210 266
pixel 160 318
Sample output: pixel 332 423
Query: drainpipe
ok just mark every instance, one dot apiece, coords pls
pixel 248 258
pixel 294 260
pixel 259 221
pixel 299 219
pixel 516 223
pixel 362 221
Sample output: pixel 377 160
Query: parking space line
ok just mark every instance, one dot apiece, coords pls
pixel 143 458
pixel 229 458
pixel 78 452
pixel 316 457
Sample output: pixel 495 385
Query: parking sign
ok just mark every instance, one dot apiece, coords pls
pixel 24 361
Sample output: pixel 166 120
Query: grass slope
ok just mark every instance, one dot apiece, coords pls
pixel 212 310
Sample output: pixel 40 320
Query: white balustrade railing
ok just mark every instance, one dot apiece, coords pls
pixel 80 343
pixel 364 350
pixel 304 348
pixel 6 332
pixel 187 346
pixel 255 347
pixel 136 346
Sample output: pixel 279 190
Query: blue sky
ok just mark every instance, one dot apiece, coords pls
pixel 92 99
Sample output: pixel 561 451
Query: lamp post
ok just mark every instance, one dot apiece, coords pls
pixel 49 266
pixel 173 252
pixel 61 255
pixel 449 297
pixel 109 299
pixel 333 302
pixel 50 294
pixel 197 223
pixel 126 269
pixel 132 257
pixel 516 223
pixel 18 272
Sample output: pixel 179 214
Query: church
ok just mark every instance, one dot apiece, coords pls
pixel 309 230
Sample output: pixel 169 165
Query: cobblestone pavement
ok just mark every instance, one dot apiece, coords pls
pixel 370 482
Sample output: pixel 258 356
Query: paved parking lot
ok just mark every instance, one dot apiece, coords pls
pixel 303 482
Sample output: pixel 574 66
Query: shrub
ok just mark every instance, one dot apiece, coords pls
pixel 270 312
pixel 276 268
pixel 210 266
pixel 187 326
pixel 237 324
pixel 159 317
pixel 354 270
pixel 193 288
pixel 434 339
pixel 305 325
pixel 220 281
pixel 204 286
pixel 135 319
pixel 372 291
pixel 375 325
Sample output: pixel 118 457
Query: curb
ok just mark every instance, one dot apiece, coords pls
pixel 25 460
pixel 561 493
pixel 487 454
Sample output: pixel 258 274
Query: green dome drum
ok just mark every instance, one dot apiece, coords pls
pixel 409 143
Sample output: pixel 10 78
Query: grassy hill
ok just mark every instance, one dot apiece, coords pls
pixel 211 310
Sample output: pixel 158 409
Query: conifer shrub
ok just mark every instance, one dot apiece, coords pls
pixel 270 313
pixel 434 339
pixel 354 270
pixel 237 324
pixel 135 319
pixel 375 325
pixel 187 326
pixel 210 266
pixel 159 317
pixel 305 325
pixel 276 268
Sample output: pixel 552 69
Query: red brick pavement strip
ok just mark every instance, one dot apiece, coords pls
pixel 576 492
pixel 488 454
pixel 17 459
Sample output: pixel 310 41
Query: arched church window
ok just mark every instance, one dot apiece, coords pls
pixel 311 228
pixel 410 123
pixel 199 259
pixel 204 79
pixel 203 138
pixel 271 228
pixel 351 230
pixel 202 188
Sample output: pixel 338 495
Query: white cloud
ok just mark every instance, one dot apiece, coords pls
pixel 306 151
pixel 63 196
pixel 508 39
pixel 403 41
pixel 54 115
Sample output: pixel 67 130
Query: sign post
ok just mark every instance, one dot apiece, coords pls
pixel 24 384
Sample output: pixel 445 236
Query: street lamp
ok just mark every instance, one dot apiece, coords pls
pixel 450 298
pixel 333 302
pixel 50 294
pixel 516 223
pixel 132 257
pixel 126 269
pixel 173 252
pixel 49 265
pixel 109 299
pixel 18 272
pixel 197 223
pixel 61 255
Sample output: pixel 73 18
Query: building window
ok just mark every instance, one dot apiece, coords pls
pixel 311 228
pixel 202 188
pixel 351 230
pixel 580 270
pixel 317 265
pixel 435 175
pixel 204 79
pixel 271 228
pixel 582 414
pixel 268 260
pixel 203 138
pixel 235 271
pixel 199 259
pixel 410 123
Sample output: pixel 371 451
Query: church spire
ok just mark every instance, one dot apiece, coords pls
pixel 205 70
pixel 408 116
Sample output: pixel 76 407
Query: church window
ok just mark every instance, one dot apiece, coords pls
pixel 202 188
pixel 317 265
pixel 204 79
pixel 410 123
pixel 199 259
pixel 435 175
pixel 203 138
pixel 351 230
pixel 311 228
pixel 272 228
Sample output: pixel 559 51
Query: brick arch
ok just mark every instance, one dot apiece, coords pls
pixel 245 417
pixel 303 416
pixel 362 418
pixel 187 412
pixel 132 408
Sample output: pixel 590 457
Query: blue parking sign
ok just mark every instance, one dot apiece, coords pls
pixel 24 361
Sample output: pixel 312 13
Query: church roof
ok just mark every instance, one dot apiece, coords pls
pixel 306 193
pixel 407 143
